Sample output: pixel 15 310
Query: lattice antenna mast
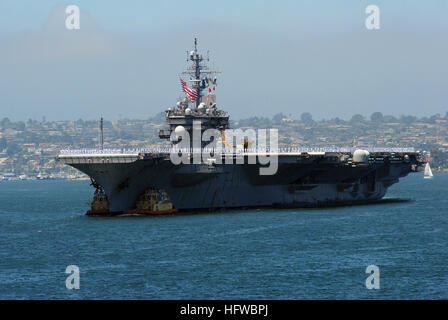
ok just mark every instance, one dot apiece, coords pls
pixel 197 70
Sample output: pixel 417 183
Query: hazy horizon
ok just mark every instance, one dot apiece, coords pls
pixel 287 57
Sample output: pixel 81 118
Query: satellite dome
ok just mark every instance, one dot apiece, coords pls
pixel 178 132
pixel 361 155
pixel 187 111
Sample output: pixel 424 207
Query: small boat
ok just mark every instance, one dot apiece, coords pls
pixel 428 173
pixel 99 205
pixel 153 202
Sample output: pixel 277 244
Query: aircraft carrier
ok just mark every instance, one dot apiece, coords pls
pixel 122 178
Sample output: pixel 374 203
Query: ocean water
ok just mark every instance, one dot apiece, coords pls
pixel 254 254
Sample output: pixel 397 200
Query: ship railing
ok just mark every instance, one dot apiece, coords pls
pixel 290 150
pixel 214 113
pixel 123 151
pixel 167 150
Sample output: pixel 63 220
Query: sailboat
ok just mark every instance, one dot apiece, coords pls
pixel 428 173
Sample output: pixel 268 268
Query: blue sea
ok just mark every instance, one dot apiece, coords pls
pixel 253 254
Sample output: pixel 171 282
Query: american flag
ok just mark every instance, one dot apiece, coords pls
pixel 191 94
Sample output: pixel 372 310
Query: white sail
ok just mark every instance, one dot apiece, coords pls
pixel 428 173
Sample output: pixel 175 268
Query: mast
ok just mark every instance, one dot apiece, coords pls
pixel 197 58
pixel 101 134
pixel 197 70
pixel 200 77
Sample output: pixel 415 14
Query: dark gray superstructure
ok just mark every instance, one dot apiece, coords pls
pixel 304 177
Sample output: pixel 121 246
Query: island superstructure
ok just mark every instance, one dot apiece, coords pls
pixel 304 177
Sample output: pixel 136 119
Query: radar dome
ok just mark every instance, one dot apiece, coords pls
pixel 187 111
pixel 178 132
pixel 361 155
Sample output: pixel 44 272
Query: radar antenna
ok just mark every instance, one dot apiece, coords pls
pixel 197 70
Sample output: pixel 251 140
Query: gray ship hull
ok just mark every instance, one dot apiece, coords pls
pixel 301 181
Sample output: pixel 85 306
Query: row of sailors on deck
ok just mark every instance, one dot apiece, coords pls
pixel 225 150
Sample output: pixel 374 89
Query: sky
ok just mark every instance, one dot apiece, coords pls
pixel 274 56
